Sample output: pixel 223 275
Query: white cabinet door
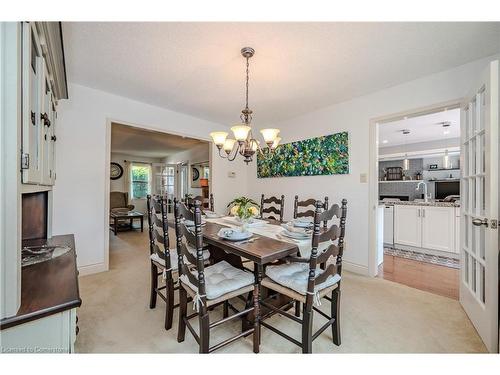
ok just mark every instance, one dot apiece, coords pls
pixel 32 125
pixel 407 225
pixel 46 121
pixel 438 232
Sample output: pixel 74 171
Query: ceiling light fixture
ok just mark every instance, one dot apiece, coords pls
pixel 446 157
pixel 406 161
pixel 244 143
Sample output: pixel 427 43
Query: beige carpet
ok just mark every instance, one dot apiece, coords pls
pixel 378 316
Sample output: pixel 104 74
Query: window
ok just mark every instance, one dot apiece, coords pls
pixel 140 178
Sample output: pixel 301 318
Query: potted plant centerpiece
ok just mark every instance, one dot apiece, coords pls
pixel 244 209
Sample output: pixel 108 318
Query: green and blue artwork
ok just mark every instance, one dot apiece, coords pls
pixel 311 157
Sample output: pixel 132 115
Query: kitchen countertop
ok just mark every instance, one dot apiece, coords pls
pixel 414 203
pixel 48 287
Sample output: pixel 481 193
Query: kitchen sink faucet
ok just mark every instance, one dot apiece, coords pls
pixel 426 198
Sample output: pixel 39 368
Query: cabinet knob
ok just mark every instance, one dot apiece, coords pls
pixel 45 117
pixel 54 138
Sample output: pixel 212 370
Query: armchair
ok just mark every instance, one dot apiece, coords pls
pixel 119 201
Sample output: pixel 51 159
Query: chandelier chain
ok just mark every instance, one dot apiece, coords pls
pixel 248 65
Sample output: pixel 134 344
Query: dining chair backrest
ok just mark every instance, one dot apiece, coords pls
pixel 159 242
pixel 211 203
pixel 190 237
pixel 272 205
pixel 334 234
pixel 308 212
pixel 189 201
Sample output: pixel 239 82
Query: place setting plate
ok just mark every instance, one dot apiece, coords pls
pixel 190 223
pixel 302 223
pixel 211 215
pixel 234 234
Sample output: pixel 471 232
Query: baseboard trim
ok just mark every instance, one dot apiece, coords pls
pixel 91 269
pixel 355 268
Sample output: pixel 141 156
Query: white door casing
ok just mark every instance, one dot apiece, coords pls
pixel 479 206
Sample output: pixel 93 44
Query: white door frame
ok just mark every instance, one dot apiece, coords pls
pixel 373 198
pixel 109 121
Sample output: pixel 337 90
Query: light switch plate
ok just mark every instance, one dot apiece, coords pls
pixel 363 178
pixel 231 174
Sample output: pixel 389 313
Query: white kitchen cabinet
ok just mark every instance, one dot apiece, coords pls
pixel 407 225
pixel 426 227
pixel 438 228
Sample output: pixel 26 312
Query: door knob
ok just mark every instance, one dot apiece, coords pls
pixel 479 222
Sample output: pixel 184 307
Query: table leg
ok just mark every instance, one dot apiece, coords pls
pixel 131 223
pixel 116 225
pixel 142 223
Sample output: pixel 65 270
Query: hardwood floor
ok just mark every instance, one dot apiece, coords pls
pixel 432 278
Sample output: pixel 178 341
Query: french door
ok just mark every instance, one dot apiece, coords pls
pixel 479 206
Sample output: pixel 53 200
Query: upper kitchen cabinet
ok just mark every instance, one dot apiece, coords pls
pixel 43 78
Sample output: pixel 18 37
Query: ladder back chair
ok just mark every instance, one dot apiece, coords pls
pixel 308 212
pixel 163 261
pixel 211 204
pixel 302 280
pixel 189 201
pixel 273 206
pixel 209 286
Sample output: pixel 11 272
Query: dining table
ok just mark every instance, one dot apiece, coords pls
pixel 267 245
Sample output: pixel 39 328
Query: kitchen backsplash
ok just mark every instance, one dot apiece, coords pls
pixel 405 188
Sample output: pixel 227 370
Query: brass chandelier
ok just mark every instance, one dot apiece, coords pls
pixel 244 143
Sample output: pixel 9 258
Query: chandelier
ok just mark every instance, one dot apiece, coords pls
pixel 244 143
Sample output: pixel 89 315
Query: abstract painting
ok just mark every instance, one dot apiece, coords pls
pixel 311 157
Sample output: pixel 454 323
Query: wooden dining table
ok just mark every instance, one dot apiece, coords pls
pixel 261 250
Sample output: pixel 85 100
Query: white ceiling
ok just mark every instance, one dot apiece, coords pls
pixel 422 129
pixel 196 68
pixel 140 142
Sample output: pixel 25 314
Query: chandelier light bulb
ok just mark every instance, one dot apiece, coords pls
pixel 269 135
pixel 219 138
pixel 229 144
pixel 241 132
pixel 276 142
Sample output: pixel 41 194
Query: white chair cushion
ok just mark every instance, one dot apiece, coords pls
pixel 295 275
pixel 221 278
pixel 192 250
pixel 174 260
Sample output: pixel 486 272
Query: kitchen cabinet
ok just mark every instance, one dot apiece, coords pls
pixel 426 227
pixel 407 225
pixel 388 225
pixel 438 228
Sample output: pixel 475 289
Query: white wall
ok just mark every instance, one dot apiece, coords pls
pixel 82 164
pixel 354 116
